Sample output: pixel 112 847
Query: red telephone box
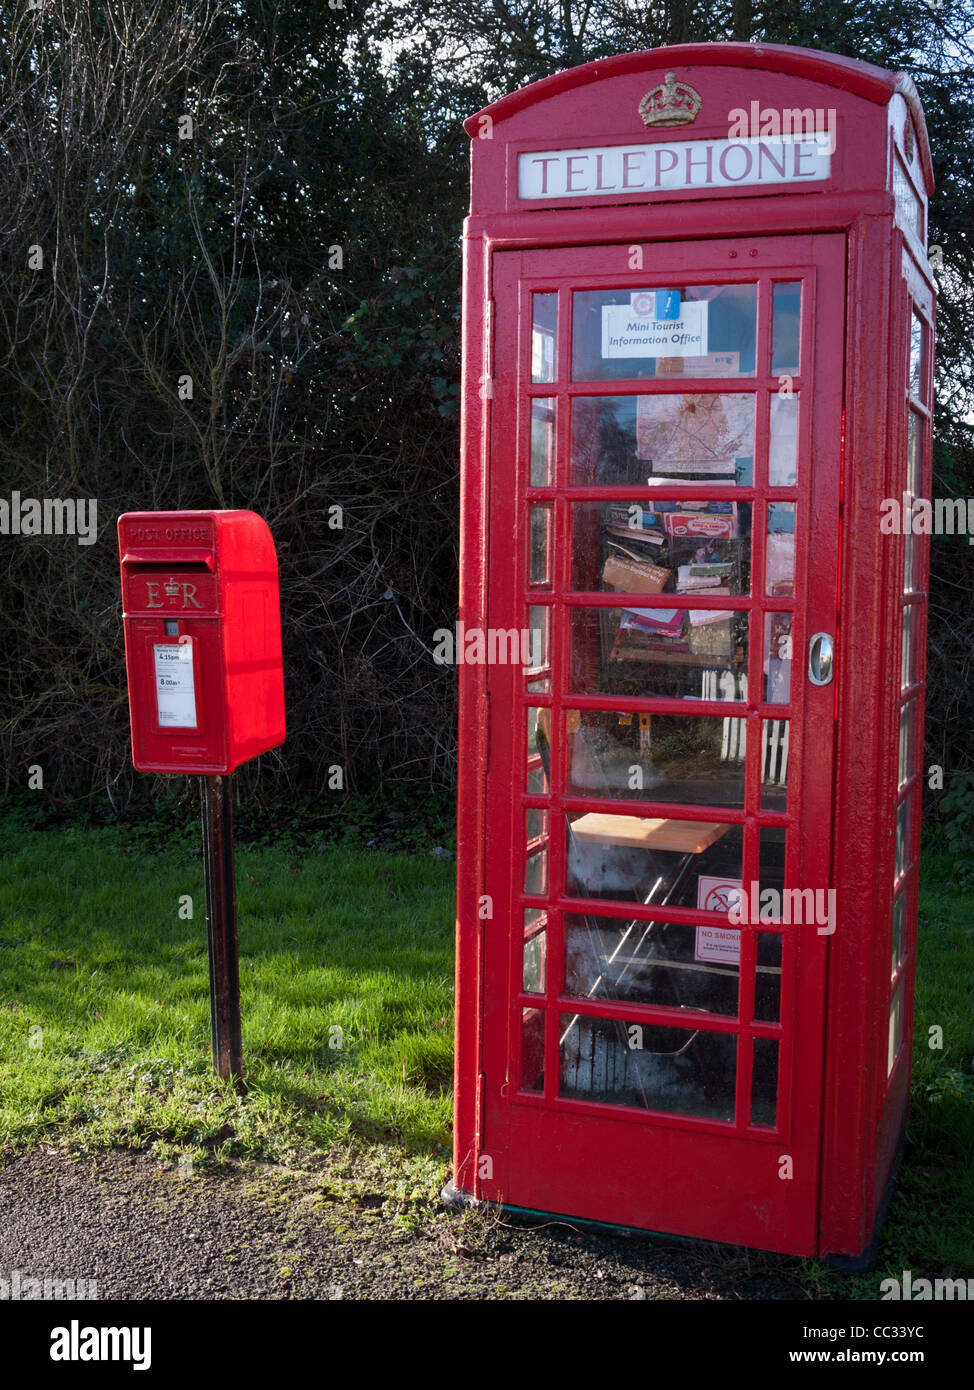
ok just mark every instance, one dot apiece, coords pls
pixel 697 359
pixel 202 620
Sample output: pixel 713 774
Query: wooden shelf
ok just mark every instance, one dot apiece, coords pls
pixel 642 832
pixel 680 659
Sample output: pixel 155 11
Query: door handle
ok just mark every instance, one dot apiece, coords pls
pixel 820 653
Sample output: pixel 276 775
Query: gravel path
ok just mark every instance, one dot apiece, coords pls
pixel 141 1231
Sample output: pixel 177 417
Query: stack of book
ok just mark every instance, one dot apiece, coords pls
pixel 635 523
pixel 651 629
pixel 686 547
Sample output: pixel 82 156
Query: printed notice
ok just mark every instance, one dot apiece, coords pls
pixel 718 943
pixel 633 330
pixel 175 685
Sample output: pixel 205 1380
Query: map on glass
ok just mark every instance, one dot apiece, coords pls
pixel 694 433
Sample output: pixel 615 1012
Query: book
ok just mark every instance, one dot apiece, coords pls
pixel 700 569
pixel 632 575
pixel 664 622
pixel 705 525
pixel 703 617
pixel 713 639
pixel 631 533
pixel 687 581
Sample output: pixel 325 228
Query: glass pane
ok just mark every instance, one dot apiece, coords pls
pixel 903 845
pixel 690 331
pixel 898 942
pixel 540 558
pixel 783 441
pixel 536 851
pixel 767 981
pixel 539 638
pixel 906 653
pixel 777 658
pixel 906 743
pixel 637 547
pixel 908 206
pixel 771 873
pixel 774 764
pixel 679 1071
pixel 649 860
pixel 665 963
pixel 542 442
pixel 913 455
pixel 917 363
pixel 673 652
pixel 913 491
pixel 764 1082
pixel 533 964
pixel 532 1049
pixel 895 1029
pixel 539 757
pixel 544 329
pixel 785 327
pixel 780 557
pixel 641 440
pixel 656 757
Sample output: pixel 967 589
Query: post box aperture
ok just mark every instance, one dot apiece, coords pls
pixel 698 337
pixel 201 615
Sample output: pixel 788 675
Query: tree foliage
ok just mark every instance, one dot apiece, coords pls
pixel 296 259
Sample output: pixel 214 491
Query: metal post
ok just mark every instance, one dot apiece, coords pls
pixel 221 927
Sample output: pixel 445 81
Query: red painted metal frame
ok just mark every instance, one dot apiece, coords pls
pixel 860 1116
pixel 768 1209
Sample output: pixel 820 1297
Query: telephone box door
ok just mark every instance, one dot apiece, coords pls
pixel 665 441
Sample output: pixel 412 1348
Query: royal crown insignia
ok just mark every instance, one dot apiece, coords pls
pixel 171 587
pixel 672 103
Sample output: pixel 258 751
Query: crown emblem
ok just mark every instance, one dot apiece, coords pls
pixel 171 587
pixel 671 103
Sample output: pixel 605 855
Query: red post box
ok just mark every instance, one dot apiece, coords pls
pixel 202 623
pixel 697 366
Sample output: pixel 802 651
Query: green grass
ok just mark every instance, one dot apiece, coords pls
pixel 346 996
pixel 104 1022
pixel 931 1224
pixel 933 1214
